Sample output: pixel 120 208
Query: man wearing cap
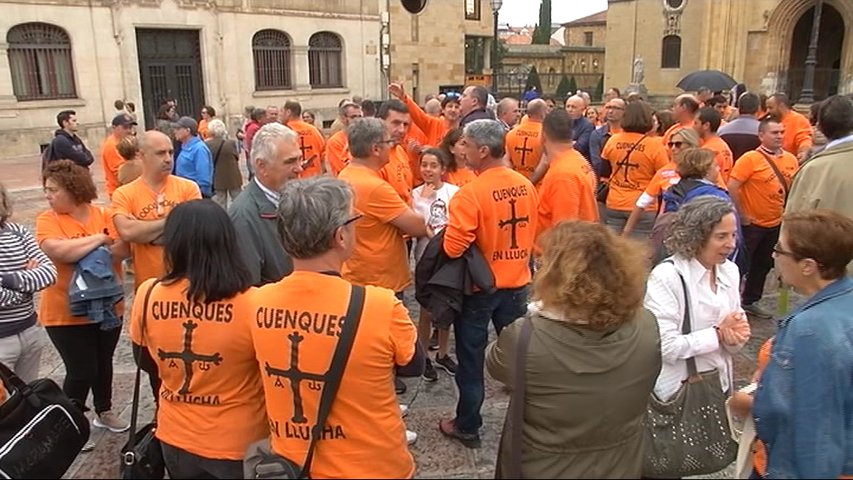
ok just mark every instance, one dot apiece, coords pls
pixel 194 162
pixel 122 127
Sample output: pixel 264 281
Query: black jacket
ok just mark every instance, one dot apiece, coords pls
pixel 481 114
pixel 441 282
pixel 66 146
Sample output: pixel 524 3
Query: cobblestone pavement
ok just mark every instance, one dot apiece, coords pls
pixel 436 457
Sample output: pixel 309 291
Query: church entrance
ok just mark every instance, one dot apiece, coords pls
pixel 830 43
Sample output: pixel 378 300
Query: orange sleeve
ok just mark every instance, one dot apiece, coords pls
pixel 337 154
pixel 190 191
pixel 462 223
pixel 803 138
pixel 660 157
pixel 576 200
pixel 135 328
pixel 744 168
pixel 607 151
pixel 385 204
pixel 47 226
pixel 111 161
pixel 402 333
pixel 655 185
pixel 429 125
pixel 121 202
pixel 724 160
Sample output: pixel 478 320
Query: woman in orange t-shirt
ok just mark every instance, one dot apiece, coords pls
pixel 195 323
pixel 72 229
pixel 633 159
pixel 457 172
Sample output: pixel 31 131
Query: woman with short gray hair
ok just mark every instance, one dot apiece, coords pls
pixel 701 238
pixel 227 179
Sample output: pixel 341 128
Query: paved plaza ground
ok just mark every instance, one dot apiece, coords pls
pixel 436 456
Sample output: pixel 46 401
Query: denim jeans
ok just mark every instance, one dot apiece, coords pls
pixel 472 335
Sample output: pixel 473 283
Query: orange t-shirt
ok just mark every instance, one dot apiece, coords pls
pixel 723 156
pixel 524 146
pixel 111 161
pixel 678 126
pixel 312 144
pixel 418 136
pixel 398 173
pixel 379 256
pixel 567 192
pixel 759 452
pixel 53 309
pixel 220 386
pixel 295 326
pixel 497 211
pixel 433 128
pixel 631 176
pixel 798 132
pixel 138 201
pixel 664 178
pixel 762 197
pixel 202 130
pixel 460 177
pixel 337 152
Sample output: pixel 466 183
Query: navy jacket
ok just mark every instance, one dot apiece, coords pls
pixel 65 146
pixel 481 114
pixel 582 130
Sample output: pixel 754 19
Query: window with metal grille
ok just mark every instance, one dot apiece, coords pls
pixel 587 38
pixel 40 62
pixel 671 55
pixel 272 54
pixel 325 63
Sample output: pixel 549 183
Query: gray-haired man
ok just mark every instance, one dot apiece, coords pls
pixel 275 158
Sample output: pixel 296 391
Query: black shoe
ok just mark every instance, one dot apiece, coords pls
pixel 399 386
pixel 433 340
pixel 448 429
pixel 446 363
pixel 430 375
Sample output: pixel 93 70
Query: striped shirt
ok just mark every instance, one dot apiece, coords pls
pixel 17 283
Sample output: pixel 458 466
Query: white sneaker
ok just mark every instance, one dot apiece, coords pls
pixel 111 422
pixel 88 446
pixel 411 437
pixel 404 410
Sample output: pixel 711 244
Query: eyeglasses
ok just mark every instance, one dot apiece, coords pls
pixel 675 144
pixel 353 219
pixel 778 251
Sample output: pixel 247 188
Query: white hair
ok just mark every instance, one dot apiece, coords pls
pixel 217 128
pixel 264 144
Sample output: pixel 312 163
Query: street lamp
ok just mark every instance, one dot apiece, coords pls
pixel 496 7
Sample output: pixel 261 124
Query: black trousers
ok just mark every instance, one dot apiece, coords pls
pixel 759 243
pixel 183 464
pixel 87 352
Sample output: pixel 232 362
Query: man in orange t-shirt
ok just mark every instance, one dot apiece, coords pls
pixel 435 128
pixel 798 138
pixel 524 142
pixel 379 256
pixel 684 110
pixel 497 212
pixel 337 148
pixel 398 170
pixel 707 123
pixel 760 197
pixel 311 141
pixel 141 206
pixel 110 158
pixel 297 324
pixel 568 189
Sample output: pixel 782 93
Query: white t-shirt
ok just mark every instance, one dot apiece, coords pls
pixel 434 209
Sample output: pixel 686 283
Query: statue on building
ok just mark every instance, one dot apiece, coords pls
pixel 639 72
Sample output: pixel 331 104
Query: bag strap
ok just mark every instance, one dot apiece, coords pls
pixel 519 384
pixel 135 408
pixel 624 162
pixel 776 171
pixel 685 321
pixel 336 371
pixel 10 379
pixel 218 151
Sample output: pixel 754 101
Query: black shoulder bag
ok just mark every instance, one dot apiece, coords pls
pixel 142 455
pixel 261 461
pixel 603 188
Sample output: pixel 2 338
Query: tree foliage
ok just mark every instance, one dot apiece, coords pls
pixel 542 33
pixel 533 80
pixel 564 88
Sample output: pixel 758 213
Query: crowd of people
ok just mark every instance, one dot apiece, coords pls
pixel 586 238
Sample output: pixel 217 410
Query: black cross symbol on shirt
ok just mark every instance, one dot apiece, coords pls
pixel 189 357
pixel 295 376
pixel 513 222
pixel 305 148
pixel 524 151
pixel 626 163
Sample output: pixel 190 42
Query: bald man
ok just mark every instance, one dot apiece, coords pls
pixel 433 107
pixel 507 112
pixel 614 110
pixel 582 128
pixel 524 142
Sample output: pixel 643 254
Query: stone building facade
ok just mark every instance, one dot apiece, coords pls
pixel 761 43
pixel 85 54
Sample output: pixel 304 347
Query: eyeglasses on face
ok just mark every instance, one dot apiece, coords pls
pixel 675 144
pixel 352 219
pixel 777 249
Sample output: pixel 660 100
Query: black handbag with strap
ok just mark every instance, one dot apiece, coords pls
pixel 261 461
pixel 142 455
pixel 41 429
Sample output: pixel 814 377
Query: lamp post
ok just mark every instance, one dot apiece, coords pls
pixel 496 7
pixel 807 94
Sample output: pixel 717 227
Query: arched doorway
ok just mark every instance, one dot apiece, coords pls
pixel 829 49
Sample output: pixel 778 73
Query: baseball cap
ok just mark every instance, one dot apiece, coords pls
pixel 187 122
pixel 123 119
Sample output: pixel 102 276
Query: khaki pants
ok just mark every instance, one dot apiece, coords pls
pixel 22 352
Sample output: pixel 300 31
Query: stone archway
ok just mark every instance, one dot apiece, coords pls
pixel 830 45
pixel 781 28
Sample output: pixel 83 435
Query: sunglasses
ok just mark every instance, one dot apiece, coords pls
pixel 675 144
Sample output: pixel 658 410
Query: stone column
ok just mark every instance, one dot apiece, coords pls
pixel 301 77
pixel 7 92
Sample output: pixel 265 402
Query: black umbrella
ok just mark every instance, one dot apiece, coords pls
pixel 715 80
